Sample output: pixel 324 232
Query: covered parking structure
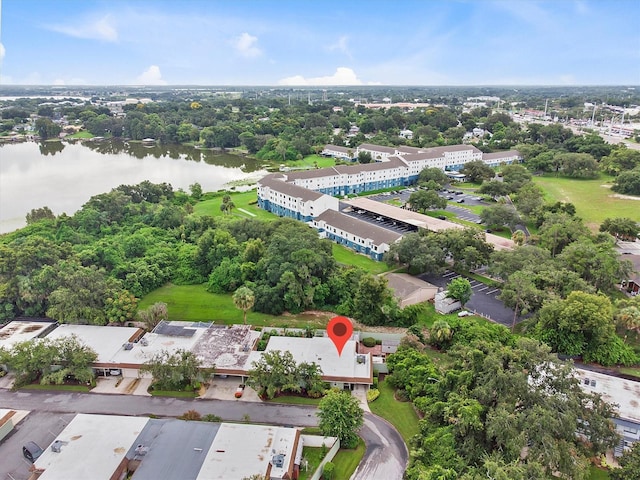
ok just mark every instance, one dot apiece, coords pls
pixel 413 220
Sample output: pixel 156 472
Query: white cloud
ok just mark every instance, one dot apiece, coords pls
pixel 342 45
pixel 246 45
pixel 99 29
pixel 342 76
pixel 2 52
pixel 151 76
pixel 59 81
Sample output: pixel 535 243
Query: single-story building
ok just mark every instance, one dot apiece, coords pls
pixel 342 371
pixel 445 304
pixel 410 290
pixel 24 330
pixel 632 284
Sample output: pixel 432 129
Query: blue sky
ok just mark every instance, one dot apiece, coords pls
pixel 320 42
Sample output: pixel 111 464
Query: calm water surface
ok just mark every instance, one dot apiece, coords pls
pixel 63 176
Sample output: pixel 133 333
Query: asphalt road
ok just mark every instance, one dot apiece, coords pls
pixel 385 457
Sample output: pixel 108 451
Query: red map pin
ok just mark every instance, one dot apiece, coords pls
pixel 339 330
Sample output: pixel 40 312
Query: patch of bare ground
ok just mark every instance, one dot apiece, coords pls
pixel 326 316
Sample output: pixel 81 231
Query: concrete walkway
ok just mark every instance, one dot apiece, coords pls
pixel 360 392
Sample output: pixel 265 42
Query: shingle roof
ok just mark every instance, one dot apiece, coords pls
pixel 358 227
pixel 376 148
pixel 337 148
pixel 438 152
pixel 274 183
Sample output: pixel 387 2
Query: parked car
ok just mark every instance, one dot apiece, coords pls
pixel 31 451
pixel 461 200
pixel 441 217
pixel 239 391
pixel 464 313
pixel 115 372
pixel 449 197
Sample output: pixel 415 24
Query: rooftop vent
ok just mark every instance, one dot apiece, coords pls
pixel 57 446
pixel 144 342
pixel 361 358
pixel 141 450
pixel 278 461
pixel 128 346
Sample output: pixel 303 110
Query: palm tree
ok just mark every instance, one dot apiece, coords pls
pixel 440 332
pixel 243 298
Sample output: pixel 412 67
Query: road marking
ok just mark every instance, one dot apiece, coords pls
pixel 493 291
pixel 449 274
pixel 483 289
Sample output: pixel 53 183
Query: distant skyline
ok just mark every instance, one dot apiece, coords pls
pixel 320 42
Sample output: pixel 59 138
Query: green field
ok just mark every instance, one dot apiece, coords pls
pixel 346 256
pixel 192 303
pixel 593 200
pixel 312 160
pixel 400 414
pixel 80 134
pixel 244 202
pixel 347 461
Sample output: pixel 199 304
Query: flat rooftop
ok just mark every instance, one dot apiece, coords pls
pixel 107 342
pixel 322 351
pixel 226 347
pixel 92 446
pixel 420 220
pixel 22 331
pixel 625 393
pixel 174 449
pixel 240 451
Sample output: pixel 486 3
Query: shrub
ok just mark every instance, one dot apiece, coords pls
pixel 210 417
pixel 191 415
pixel 372 394
pixel 369 342
pixel 328 471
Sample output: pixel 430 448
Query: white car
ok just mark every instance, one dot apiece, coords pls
pixel 464 313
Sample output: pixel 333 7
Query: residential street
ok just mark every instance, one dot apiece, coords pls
pixel 386 455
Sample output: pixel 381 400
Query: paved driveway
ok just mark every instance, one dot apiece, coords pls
pixel 386 456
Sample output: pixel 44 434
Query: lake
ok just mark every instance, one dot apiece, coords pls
pixel 64 175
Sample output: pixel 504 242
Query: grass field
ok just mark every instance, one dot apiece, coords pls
pixel 80 134
pixel 400 414
pixel 347 461
pixel 598 474
pixel 312 160
pixel 192 303
pixel 347 256
pixel 242 200
pixel 593 200
pixel 314 456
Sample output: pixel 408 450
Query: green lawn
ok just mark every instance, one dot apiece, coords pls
pixel 65 388
pixel 314 456
pixel 593 200
pixel 598 474
pixel 400 414
pixel 172 393
pixel 192 303
pixel 346 256
pixel 80 134
pixel 347 461
pixel 244 202
pixel 312 160
pixel 295 400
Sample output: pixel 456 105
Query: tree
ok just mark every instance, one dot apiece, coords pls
pixel 120 307
pixel 440 334
pixel 424 200
pixel 495 188
pixel 578 165
pixel 340 416
pixel 175 371
pixel 244 299
pixel 196 190
pixel 371 296
pixel 433 174
pixel 153 315
pixel 74 359
pixel 273 373
pixel 498 216
pixel 421 252
pixel 629 465
pixel 515 177
pixel 624 228
pixel 529 200
pixel 628 183
pixel 459 289
pixel 37 214
pixel 477 171
pixel 559 230
pixel 577 325
pixel 364 157
pixel 519 293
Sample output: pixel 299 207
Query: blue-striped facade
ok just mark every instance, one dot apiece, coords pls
pixel 282 211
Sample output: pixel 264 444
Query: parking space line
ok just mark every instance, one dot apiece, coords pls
pixel 449 274
pixel 493 291
pixel 478 285
pixel 483 289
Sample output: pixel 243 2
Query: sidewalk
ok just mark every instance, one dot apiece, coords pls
pixel 360 392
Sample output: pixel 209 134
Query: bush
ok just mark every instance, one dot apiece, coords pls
pixel 372 394
pixel 328 471
pixel 191 415
pixel 210 417
pixel 369 342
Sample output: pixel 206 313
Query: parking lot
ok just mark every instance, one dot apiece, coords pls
pixel 483 299
pixel 457 200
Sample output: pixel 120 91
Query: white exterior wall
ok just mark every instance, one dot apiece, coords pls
pixel 313 208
